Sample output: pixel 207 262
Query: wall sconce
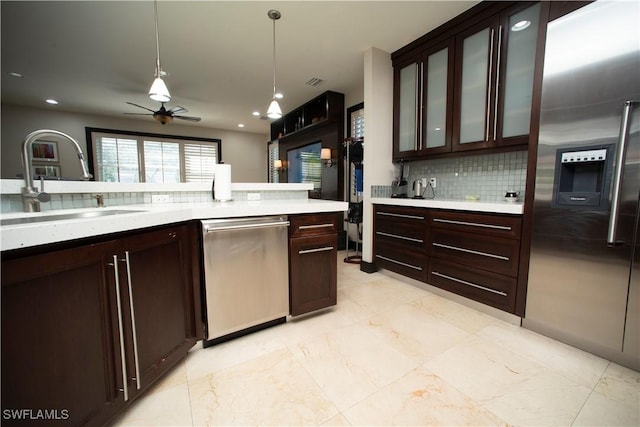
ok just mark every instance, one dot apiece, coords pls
pixel 280 165
pixel 325 156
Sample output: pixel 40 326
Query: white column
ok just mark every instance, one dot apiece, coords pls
pixel 378 148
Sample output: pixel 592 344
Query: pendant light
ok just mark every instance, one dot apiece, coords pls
pixel 274 111
pixel 158 91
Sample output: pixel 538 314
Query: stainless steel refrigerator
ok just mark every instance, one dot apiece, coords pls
pixel 584 277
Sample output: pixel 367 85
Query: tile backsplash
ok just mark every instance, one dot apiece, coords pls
pixel 487 176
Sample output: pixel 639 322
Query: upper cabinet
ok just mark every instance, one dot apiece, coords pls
pixel 323 109
pixel 423 98
pixel 468 87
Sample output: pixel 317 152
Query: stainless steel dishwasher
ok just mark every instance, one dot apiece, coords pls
pixel 246 274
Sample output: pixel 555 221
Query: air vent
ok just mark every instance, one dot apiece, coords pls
pixel 314 81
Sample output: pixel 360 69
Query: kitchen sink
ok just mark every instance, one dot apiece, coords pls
pixel 72 215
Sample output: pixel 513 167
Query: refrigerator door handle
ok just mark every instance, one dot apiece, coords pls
pixel 621 151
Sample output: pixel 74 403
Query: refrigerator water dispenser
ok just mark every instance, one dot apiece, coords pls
pixel 583 177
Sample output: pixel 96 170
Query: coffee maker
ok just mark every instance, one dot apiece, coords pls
pixel 399 185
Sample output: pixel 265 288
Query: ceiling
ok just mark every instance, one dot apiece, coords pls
pixel 94 56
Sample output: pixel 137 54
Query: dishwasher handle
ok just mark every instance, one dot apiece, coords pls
pixel 219 227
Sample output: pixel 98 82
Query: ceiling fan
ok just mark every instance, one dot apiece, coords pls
pixel 163 115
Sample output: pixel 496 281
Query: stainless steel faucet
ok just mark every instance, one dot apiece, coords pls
pixel 31 196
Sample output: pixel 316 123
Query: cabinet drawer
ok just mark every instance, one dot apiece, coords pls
pixel 493 225
pixel 401 226
pixel 497 254
pixel 486 287
pixel 401 260
pixel 312 225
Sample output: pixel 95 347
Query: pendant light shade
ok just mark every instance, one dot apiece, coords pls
pixel 274 111
pixel 158 91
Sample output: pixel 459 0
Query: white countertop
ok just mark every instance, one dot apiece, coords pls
pixel 514 208
pixel 146 215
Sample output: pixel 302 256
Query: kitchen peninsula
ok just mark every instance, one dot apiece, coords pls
pixel 98 303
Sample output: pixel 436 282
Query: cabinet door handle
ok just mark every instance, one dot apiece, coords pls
pixel 495 106
pixel 401 215
pixel 464 282
pixel 473 224
pixel 415 267
pixel 308 227
pixel 489 87
pixel 395 236
pixel 416 138
pixel 420 111
pixel 133 320
pixel 470 251
pixel 310 251
pixel 123 356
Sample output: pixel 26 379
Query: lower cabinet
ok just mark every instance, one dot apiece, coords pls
pixel 313 268
pixel 475 255
pixel 87 329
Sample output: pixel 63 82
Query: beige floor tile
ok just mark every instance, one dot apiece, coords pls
pixel 167 407
pixel 273 389
pixel 415 333
pixel 575 364
pixel 352 363
pixel 338 421
pixel 621 384
pixel 517 389
pixel 600 410
pixel 458 315
pixel 420 398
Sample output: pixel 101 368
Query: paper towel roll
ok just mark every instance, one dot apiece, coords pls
pixel 222 183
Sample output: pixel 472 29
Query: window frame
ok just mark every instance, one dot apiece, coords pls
pixel 181 139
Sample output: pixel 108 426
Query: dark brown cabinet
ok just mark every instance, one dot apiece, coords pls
pixel 400 239
pixel 475 255
pixel 313 274
pixel 468 85
pixel 87 329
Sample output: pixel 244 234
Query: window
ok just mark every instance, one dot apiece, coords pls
pixel 116 156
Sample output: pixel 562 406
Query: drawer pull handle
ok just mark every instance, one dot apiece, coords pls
pixel 398 262
pixel 464 282
pixel 455 248
pixel 395 236
pixel 310 251
pixel 401 215
pixel 307 227
pixel 473 224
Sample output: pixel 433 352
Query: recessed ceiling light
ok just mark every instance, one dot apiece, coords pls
pixel 51 101
pixel 256 113
pixel 14 74
pixel 521 25
pixel 240 125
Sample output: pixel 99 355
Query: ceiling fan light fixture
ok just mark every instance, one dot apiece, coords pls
pixel 274 111
pixel 159 91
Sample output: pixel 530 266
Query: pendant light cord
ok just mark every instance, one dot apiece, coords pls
pixel 158 69
pixel 274 56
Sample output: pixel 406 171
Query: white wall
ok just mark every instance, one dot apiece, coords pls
pixel 246 152
pixel 378 148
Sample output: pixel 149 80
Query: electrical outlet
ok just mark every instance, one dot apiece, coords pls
pixel 432 181
pixel 253 196
pixel 160 198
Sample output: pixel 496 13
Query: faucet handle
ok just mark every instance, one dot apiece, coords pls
pixel 42 196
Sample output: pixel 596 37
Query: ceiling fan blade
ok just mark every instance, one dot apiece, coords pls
pixel 178 109
pixel 191 119
pixel 140 106
pixel 139 114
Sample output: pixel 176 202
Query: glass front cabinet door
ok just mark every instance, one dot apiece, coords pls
pixel 495 62
pixel 423 91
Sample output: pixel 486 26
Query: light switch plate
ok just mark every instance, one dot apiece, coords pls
pixel 253 196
